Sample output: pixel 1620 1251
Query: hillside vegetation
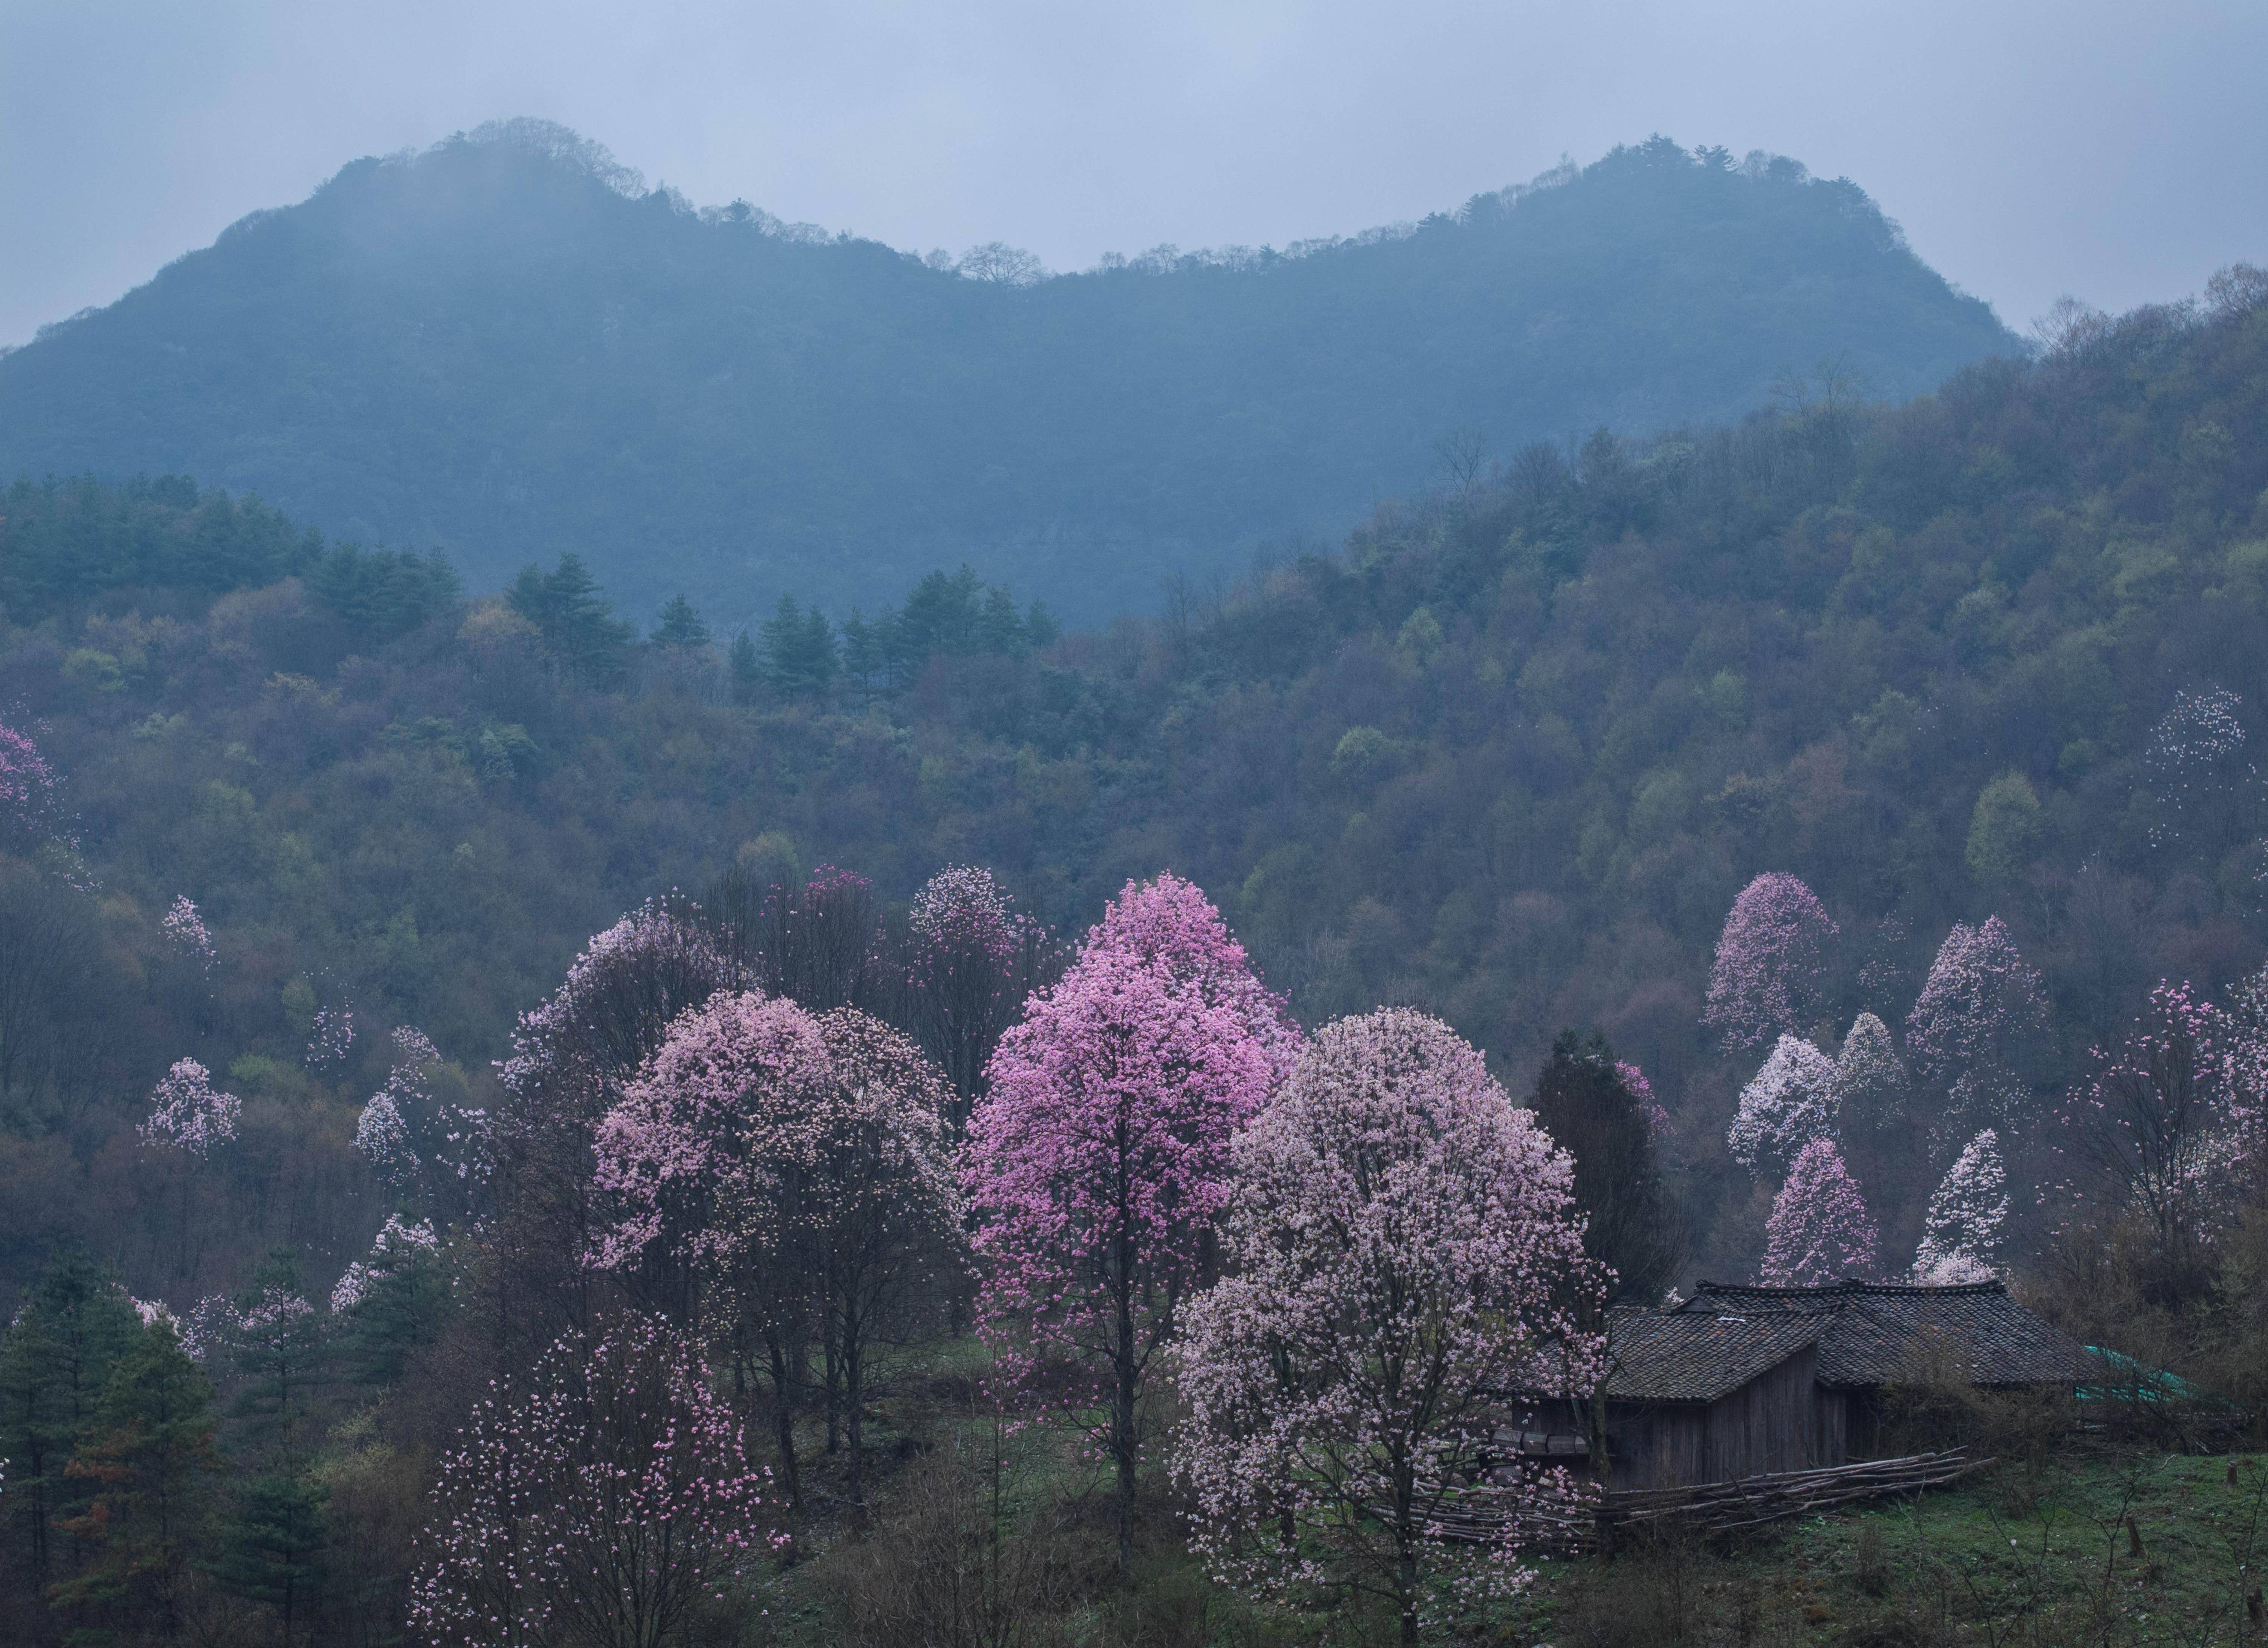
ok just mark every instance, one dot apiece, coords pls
pixel 505 347
pixel 292 826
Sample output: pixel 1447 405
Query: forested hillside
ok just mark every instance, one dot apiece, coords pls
pixel 506 348
pixel 1510 753
pixel 296 834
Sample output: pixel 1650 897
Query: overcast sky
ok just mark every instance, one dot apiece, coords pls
pixel 2116 151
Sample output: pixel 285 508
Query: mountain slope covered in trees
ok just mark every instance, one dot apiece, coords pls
pixel 1509 755
pixel 504 348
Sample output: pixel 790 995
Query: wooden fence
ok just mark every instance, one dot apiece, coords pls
pixel 1716 1506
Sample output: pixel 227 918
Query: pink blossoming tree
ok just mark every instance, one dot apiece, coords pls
pixel 1868 1091
pixel 970 962
pixel 2164 1123
pixel 186 1112
pixel 772 1173
pixel 606 1497
pixel 1790 1102
pixel 1960 1231
pixel 1980 1013
pixel 186 934
pixel 571 1058
pixel 28 792
pixel 1097 1162
pixel 1403 1249
pixel 1770 965
pixel 1820 1230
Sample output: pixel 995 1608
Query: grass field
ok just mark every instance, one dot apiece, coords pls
pixel 1000 1535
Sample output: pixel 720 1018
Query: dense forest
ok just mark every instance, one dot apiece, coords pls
pixel 295 827
pixel 506 347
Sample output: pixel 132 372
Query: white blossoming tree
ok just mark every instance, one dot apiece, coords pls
pixel 1961 1231
pixel 1790 1102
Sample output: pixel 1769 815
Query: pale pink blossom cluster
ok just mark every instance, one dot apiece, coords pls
pixel 333 1037
pixel 1768 976
pixel 1981 1010
pixel 1869 1091
pixel 605 1498
pixel 2195 763
pixel 1403 1252
pixel 187 933
pixel 27 787
pixel 406 1114
pixel 1960 1231
pixel 2171 1119
pixel 572 1054
pixel 1820 1230
pixel 398 1247
pixel 960 908
pixel 1641 1091
pixel 1789 1103
pixel 277 1322
pixel 188 1114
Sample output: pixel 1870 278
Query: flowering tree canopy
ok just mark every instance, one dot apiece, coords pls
pixel 1770 963
pixel 767 1168
pixel 186 1112
pixel 605 1498
pixel 703 1125
pixel 1096 1162
pixel 1403 1249
pixel 1961 1231
pixel 416 1140
pixel 1790 1102
pixel 1980 1011
pixel 2164 1123
pixel 398 1247
pixel 1869 1088
pixel 572 1054
pixel 28 798
pixel 1820 1230
pixel 971 961
pixel 1171 925
pixel 186 934
pixel 2195 763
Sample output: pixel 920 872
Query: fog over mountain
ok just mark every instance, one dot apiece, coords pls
pixel 506 347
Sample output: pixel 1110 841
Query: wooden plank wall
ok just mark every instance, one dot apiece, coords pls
pixel 1779 1421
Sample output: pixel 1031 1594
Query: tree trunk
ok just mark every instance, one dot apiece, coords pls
pixel 1122 1438
pixel 784 1421
pixel 854 1402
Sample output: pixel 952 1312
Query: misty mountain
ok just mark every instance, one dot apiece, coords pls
pixel 506 347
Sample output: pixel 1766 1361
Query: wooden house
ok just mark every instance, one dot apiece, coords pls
pixel 1745 1381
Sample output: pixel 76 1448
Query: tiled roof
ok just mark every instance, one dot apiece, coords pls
pixel 1875 1332
pixel 1694 1357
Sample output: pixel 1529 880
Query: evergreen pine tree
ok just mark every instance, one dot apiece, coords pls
pixel 54 1364
pixel 747 670
pixel 1586 1104
pixel 148 1462
pixel 680 627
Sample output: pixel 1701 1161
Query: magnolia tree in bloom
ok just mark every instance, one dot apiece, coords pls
pixel 187 935
pixel 2202 786
pixel 772 1173
pixel 1790 1102
pixel 1961 1231
pixel 416 1140
pixel 1868 1091
pixel 1401 1250
pixel 187 1113
pixel 2165 1122
pixel 1771 962
pixel 398 1248
pixel 28 797
pixel 1097 1162
pixel 1820 1230
pixel 1980 1011
pixel 970 962
pixel 605 1498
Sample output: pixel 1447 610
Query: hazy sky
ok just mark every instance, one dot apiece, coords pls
pixel 2114 150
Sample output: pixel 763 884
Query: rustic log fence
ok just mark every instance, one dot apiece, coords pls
pixel 1715 1507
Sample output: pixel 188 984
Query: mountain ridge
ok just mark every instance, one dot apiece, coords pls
pixel 500 348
